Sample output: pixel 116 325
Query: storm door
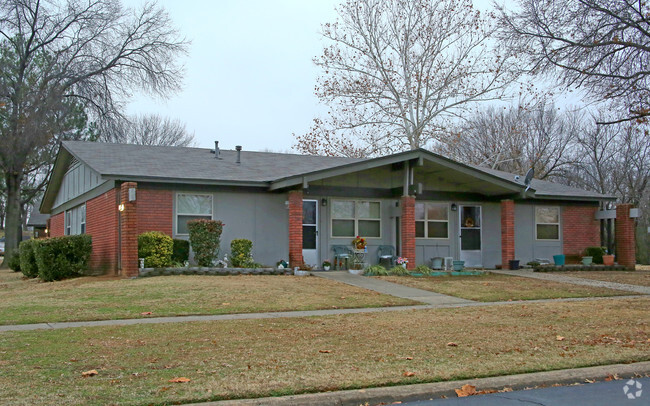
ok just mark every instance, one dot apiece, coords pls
pixel 310 231
pixel 470 235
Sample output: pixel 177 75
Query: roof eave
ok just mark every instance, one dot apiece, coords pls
pixel 184 181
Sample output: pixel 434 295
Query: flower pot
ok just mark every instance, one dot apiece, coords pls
pixel 298 272
pixel 458 265
pixel 356 271
pixel 404 266
pixel 608 260
pixel 559 260
pixel 513 264
pixel 436 262
pixel 587 260
pixel 327 268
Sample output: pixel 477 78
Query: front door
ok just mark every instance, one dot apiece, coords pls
pixel 310 232
pixel 470 235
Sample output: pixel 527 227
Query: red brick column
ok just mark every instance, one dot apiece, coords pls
pixel 129 232
pixel 507 232
pixel 295 228
pixel 407 223
pixel 625 242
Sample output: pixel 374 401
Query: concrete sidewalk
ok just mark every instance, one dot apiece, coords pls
pixel 393 289
pixel 550 276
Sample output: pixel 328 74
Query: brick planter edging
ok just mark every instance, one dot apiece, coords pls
pixel 565 268
pixel 212 271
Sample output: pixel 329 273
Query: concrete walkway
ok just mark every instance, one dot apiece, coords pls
pixel 393 289
pixel 551 276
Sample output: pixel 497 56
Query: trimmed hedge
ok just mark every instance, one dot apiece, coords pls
pixel 13 261
pixel 62 257
pixel 205 238
pixel 240 251
pixel 28 265
pixel 181 251
pixel 156 248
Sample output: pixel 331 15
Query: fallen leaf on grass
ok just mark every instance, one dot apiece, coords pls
pixel 409 374
pixel 452 344
pixel 611 377
pixel 324 351
pixel 590 380
pixel 225 304
pixel 409 358
pixel 92 372
pixel 559 338
pixel 145 313
pixel 181 379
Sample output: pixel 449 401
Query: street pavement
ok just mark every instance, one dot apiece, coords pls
pixel 612 393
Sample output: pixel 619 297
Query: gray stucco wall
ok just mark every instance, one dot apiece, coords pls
pixel 260 217
pixel 526 247
pixel 78 180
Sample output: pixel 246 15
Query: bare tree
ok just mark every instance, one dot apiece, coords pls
pixel 57 54
pixel 517 138
pixel 602 46
pixel 396 70
pixel 149 129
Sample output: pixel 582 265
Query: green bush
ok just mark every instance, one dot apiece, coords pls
pixel 156 249
pixel 375 270
pixel 181 251
pixel 423 269
pixel 398 270
pixel 63 257
pixel 597 254
pixel 28 265
pixel 205 237
pixel 240 253
pixel 13 261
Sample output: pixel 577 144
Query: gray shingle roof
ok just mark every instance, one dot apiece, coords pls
pixel 143 161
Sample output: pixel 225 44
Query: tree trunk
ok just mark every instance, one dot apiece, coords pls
pixel 13 229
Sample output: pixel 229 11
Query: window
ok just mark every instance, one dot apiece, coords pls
pixel 351 218
pixel 547 223
pixel 431 220
pixel 191 207
pixel 75 220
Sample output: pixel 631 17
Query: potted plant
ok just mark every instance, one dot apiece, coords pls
pixel 402 261
pixel 458 265
pixel 359 243
pixel 327 265
pixel 608 260
pixel 302 270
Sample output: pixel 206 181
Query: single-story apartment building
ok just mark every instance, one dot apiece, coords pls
pixel 298 207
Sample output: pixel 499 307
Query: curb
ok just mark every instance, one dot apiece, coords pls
pixel 425 391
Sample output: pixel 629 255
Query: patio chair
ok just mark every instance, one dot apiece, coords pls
pixel 341 253
pixel 386 253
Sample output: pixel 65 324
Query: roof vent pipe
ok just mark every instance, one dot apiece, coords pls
pixel 216 150
pixel 238 148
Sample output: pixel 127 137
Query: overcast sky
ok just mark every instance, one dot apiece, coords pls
pixel 249 75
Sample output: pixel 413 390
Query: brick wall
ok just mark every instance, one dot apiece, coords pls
pixel 155 210
pixel 102 225
pixel 580 229
pixel 625 238
pixel 295 228
pixel 407 223
pixel 507 232
pixel 57 225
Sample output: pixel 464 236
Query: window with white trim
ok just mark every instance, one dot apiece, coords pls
pixel 75 220
pixel 432 220
pixel 68 222
pixel 547 223
pixel 356 217
pixel 191 207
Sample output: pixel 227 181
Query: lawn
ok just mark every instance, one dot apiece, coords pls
pixel 641 278
pixel 98 298
pixel 494 287
pixel 254 358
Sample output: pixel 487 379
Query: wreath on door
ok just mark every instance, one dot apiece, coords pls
pixel 469 222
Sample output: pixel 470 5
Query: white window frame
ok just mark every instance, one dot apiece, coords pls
pixel 355 219
pixel 193 214
pixel 75 220
pixel 82 219
pixel 67 222
pixel 559 220
pixel 426 220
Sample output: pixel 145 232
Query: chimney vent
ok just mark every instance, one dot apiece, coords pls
pixel 238 148
pixel 216 150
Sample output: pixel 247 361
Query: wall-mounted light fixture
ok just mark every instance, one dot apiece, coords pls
pixel 121 207
pixel 323 202
pixel 132 194
pixel 454 207
pixel 286 204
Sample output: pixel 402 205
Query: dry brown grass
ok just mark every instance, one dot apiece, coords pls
pixel 494 287
pixel 252 358
pixel 91 298
pixel 641 278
